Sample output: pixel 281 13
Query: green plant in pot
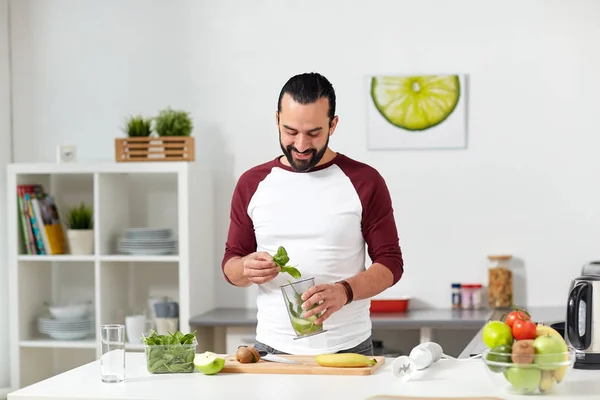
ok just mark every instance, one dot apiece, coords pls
pixel 138 126
pixel 80 229
pixel 173 123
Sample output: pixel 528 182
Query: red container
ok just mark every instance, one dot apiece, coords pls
pixel 389 305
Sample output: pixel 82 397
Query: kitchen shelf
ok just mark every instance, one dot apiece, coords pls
pixel 175 195
pixel 55 258
pixel 59 344
pixel 136 258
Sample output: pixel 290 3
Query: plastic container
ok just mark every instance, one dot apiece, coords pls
pixel 456 295
pixel 539 377
pixel 500 283
pixel 170 359
pixel 389 306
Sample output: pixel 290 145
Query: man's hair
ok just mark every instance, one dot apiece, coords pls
pixel 308 88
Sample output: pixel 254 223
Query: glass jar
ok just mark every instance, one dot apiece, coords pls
pixel 500 285
pixel 466 295
pixel 456 298
pixel 476 295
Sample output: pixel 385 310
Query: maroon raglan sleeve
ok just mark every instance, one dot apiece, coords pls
pixel 378 224
pixel 241 240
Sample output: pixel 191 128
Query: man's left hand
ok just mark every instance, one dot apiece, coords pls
pixel 328 297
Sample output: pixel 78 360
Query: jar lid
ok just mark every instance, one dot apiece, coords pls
pixel 456 285
pixel 499 257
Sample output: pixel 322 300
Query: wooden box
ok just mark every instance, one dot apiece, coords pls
pixel 163 148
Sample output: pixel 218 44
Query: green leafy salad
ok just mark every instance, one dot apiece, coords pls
pixel 172 353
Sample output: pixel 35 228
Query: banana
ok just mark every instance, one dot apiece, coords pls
pixel 540 330
pixel 344 360
pixel 547 382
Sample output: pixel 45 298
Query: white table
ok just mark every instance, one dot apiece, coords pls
pixel 446 378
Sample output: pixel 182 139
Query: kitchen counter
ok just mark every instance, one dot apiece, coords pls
pixel 445 378
pixel 222 321
pixel 412 319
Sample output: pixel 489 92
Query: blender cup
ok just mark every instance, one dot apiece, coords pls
pixel 292 292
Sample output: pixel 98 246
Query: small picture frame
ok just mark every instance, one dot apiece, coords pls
pixel 66 154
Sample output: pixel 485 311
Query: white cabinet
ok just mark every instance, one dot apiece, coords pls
pixel 236 336
pixel 175 195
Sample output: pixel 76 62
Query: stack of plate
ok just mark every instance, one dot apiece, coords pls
pixel 147 241
pixel 66 328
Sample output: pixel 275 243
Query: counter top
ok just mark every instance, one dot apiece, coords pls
pixel 445 378
pixel 412 319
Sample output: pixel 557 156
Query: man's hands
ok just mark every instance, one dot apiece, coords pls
pixel 259 267
pixel 328 297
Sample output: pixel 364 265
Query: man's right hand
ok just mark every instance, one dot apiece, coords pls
pixel 259 267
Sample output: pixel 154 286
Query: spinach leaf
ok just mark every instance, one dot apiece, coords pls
pixel 281 258
pixel 171 353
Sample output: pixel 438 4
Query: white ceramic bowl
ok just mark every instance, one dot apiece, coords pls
pixel 71 311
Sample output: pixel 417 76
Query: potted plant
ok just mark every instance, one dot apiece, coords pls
pixel 80 229
pixel 138 126
pixel 173 123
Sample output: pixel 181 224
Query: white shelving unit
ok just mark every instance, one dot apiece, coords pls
pixel 176 195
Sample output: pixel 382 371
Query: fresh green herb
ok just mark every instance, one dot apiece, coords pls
pixel 172 353
pixel 281 259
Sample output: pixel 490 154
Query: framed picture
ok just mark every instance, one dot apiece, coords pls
pixel 416 112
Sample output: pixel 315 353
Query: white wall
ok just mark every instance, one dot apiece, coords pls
pixel 5 158
pixel 526 184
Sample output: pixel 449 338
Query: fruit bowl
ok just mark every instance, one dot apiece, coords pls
pixel 531 373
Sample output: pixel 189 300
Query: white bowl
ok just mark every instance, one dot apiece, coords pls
pixel 71 311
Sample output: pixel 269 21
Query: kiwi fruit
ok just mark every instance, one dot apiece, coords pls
pixel 244 355
pixel 255 353
pixel 523 352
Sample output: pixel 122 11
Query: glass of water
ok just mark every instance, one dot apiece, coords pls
pixel 112 358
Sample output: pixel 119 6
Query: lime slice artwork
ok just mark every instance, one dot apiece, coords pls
pixel 415 103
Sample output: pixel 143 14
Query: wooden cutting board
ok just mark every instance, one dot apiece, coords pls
pixel 308 366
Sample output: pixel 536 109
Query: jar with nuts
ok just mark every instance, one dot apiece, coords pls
pixel 500 285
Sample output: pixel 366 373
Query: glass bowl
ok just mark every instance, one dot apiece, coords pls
pixel 534 374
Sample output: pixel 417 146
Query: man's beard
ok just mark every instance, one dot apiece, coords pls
pixel 303 165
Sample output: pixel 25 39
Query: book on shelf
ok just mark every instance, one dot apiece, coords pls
pixel 43 233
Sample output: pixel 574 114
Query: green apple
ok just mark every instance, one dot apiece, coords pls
pixel 499 354
pixel 523 380
pixel 209 363
pixel 496 333
pixel 549 352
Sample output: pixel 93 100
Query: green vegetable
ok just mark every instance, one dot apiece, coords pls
pixel 281 259
pixel 172 353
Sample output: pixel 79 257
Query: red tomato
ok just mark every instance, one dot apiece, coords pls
pixel 515 316
pixel 524 329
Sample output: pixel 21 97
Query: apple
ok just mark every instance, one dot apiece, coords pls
pixel 549 351
pixel 209 363
pixel 523 380
pixel 499 354
pixel 496 333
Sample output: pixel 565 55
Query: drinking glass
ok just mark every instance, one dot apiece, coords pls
pixel 112 359
pixel 292 292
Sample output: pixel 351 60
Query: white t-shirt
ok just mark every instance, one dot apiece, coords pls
pixel 323 218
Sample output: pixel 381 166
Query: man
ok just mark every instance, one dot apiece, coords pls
pixel 322 207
